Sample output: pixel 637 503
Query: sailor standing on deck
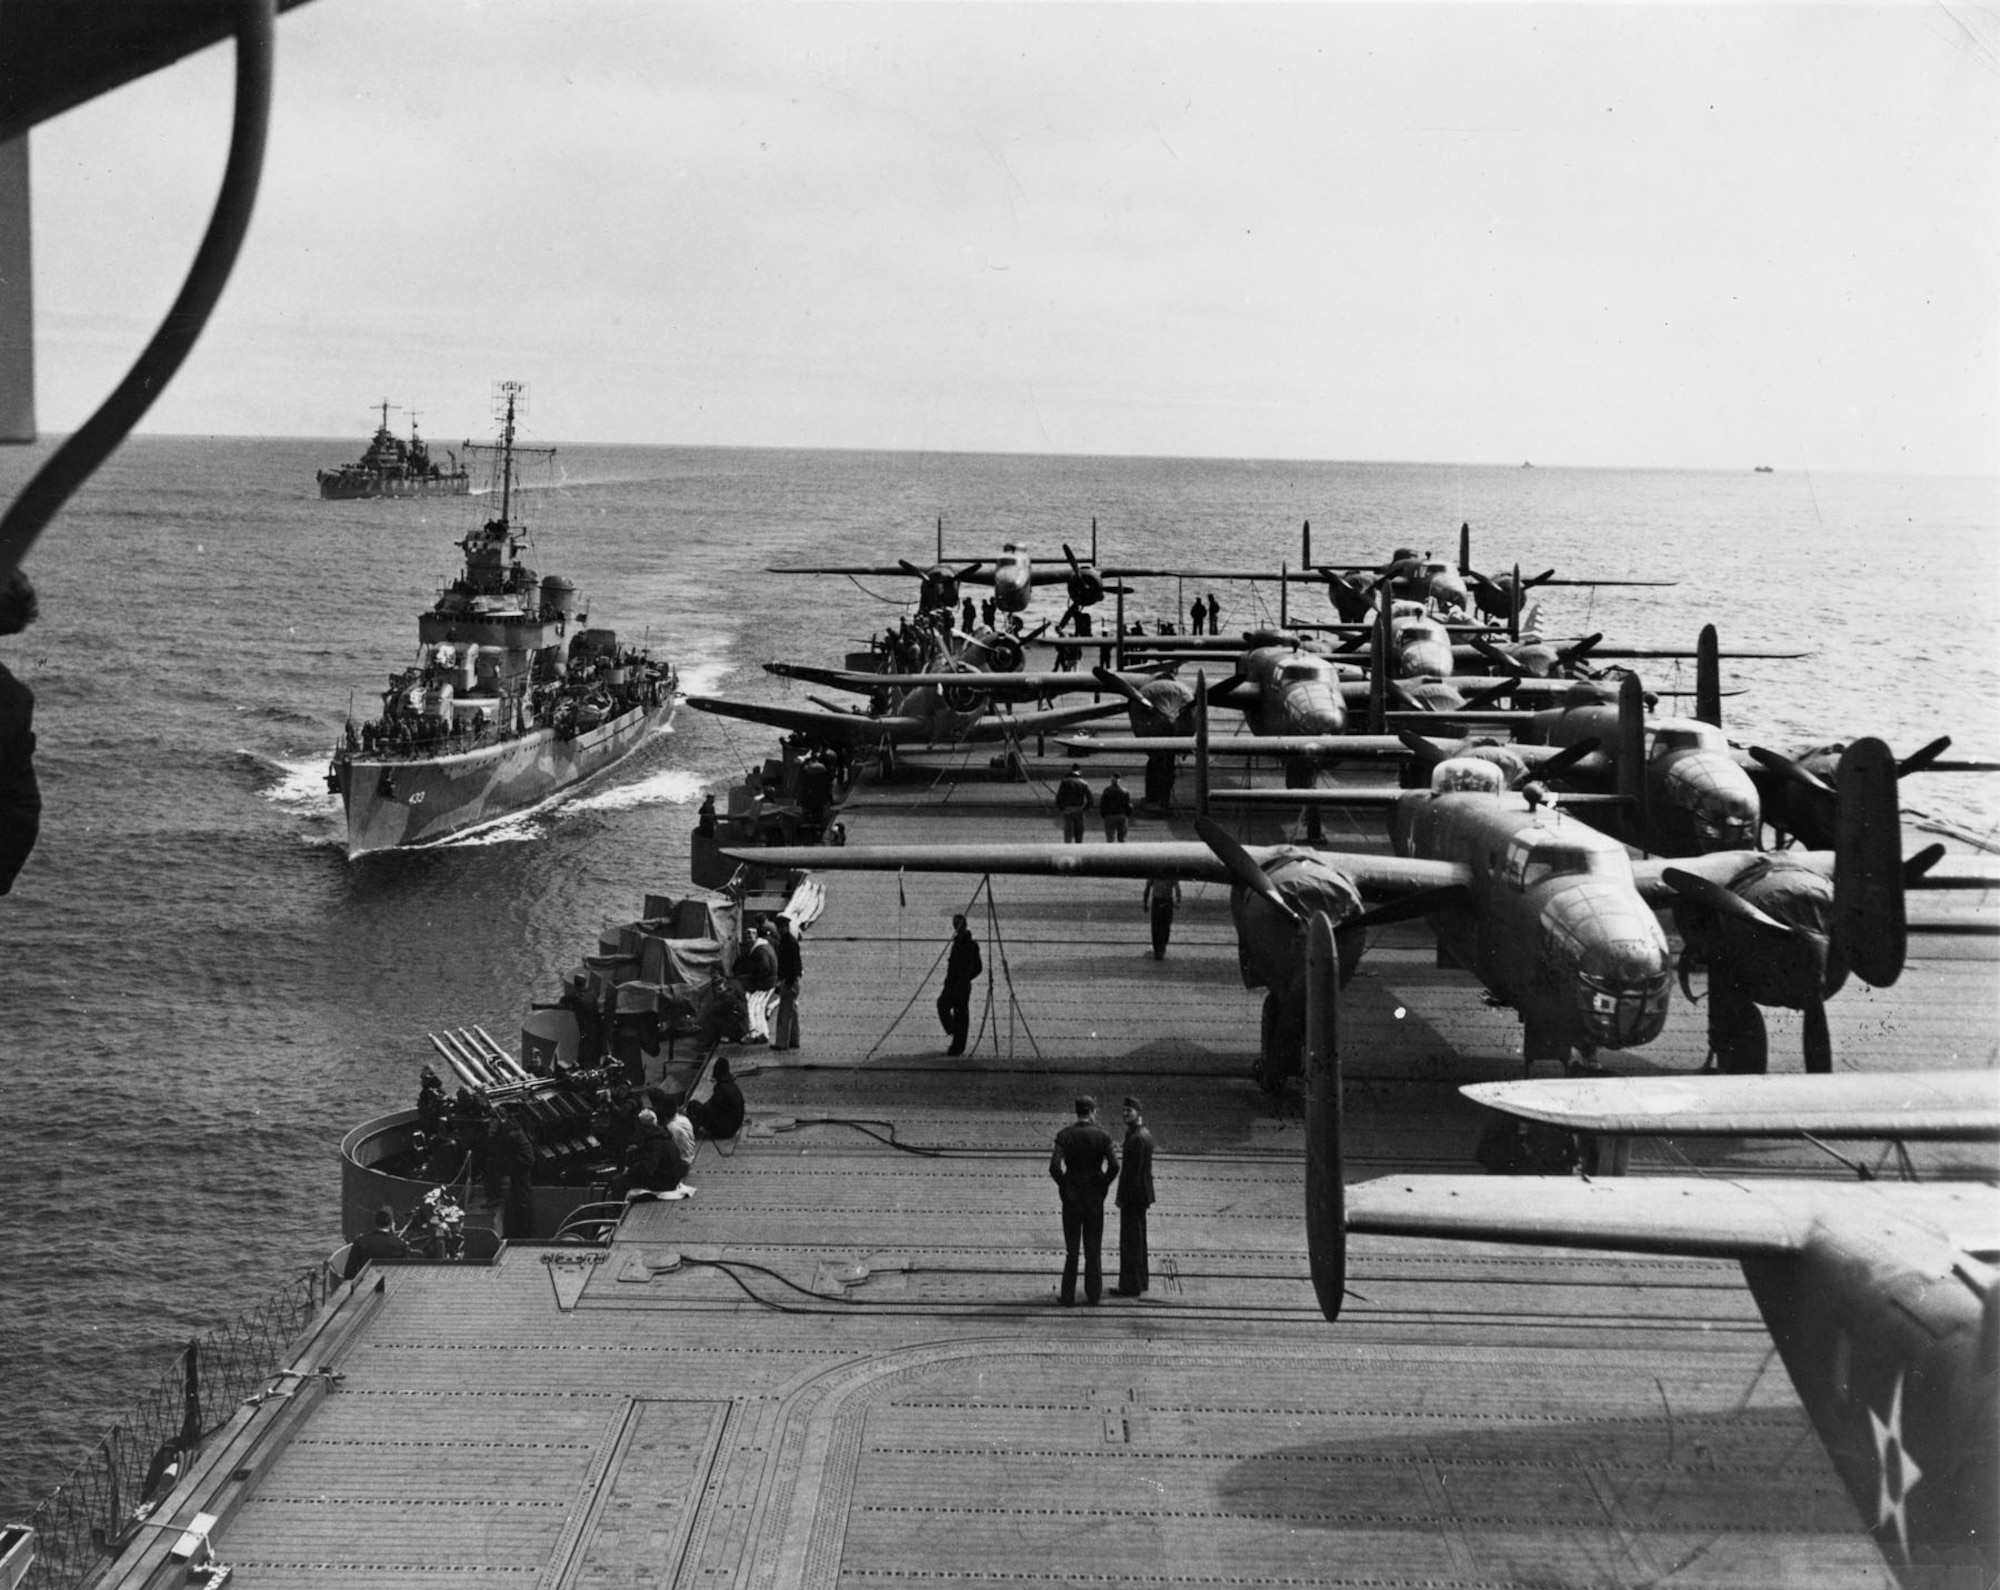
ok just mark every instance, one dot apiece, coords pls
pixel 1073 799
pixel 1116 808
pixel 1159 898
pixel 791 970
pixel 954 1005
pixel 1083 1166
pixel 1135 1197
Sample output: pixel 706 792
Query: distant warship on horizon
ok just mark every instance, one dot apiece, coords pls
pixel 392 467
pixel 513 698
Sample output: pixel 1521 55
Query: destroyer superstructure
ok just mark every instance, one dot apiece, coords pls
pixel 513 697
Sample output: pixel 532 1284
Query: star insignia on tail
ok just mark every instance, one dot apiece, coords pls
pixel 1899 1470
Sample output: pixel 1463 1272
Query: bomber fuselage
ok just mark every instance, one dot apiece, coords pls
pixel 1696 796
pixel 1555 925
pixel 1013 579
pixel 1298 692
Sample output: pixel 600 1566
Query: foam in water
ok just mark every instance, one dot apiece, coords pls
pixel 672 786
pixel 297 783
pixel 701 678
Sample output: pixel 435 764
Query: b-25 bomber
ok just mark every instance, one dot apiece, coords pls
pixel 1882 1298
pixel 1013 577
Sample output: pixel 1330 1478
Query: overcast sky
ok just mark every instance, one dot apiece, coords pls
pixel 1580 234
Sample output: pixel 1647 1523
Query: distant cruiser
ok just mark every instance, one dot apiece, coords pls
pixel 512 699
pixel 394 468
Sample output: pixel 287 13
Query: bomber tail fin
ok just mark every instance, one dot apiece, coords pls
pixel 1326 1180
pixel 1708 676
pixel 1868 865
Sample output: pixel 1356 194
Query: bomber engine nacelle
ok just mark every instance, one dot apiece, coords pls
pixel 1085 585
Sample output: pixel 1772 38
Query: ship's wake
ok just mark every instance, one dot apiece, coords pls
pixel 702 678
pixel 671 786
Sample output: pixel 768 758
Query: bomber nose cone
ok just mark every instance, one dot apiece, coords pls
pixel 1728 821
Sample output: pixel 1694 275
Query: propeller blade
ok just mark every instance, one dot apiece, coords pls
pixel 1818 1041
pixel 1918 760
pixel 1786 767
pixel 1914 867
pixel 1723 902
pixel 1243 872
pixel 1502 660
pixel 1573 656
pixel 1486 697
pixel 1424 751
pixel 910 568
pixel 1073 565
pixel 1424 902
pixel 1326 1177
pixel 1117 682
pixel 969 570
pixel 1568 757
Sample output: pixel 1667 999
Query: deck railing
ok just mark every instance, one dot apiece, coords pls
pixel 110 1495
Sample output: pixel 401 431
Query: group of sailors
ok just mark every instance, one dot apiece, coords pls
pixel 587 697
pixel 593 1118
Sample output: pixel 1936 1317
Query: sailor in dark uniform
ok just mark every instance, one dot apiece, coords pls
pixel 1083 1166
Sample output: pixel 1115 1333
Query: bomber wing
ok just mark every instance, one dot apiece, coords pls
pixel 1384 795
pixel 1376 876
pixel 1701 1216
pixel 857 728
pixel 1038 682
pixel 852 568
pixel 1328 745
pixel 1956 1106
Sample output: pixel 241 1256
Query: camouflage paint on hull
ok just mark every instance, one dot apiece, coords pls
pixel 394 803
pixel 351 486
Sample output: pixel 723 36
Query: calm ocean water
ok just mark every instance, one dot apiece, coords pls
pixel 199 994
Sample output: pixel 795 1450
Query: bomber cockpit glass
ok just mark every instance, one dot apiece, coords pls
pixel 1464 774
pixel 1687 737
pixel 1534 858
pixel 1299 672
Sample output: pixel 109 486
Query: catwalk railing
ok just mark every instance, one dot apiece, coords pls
pixel 111 1495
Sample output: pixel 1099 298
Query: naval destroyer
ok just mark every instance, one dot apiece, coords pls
pixel 513 698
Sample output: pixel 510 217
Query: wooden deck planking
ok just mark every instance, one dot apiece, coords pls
pixel 760 1416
